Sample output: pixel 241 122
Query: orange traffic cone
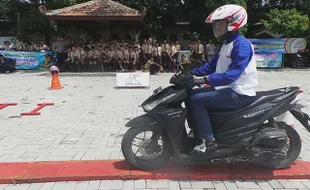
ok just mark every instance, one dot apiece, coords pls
pixel 55 82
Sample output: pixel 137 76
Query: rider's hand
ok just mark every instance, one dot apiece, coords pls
pixel 207 85
pixel 196 81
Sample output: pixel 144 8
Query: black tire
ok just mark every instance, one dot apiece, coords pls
pixel 139 163
pixel 292 153
pixel 298 64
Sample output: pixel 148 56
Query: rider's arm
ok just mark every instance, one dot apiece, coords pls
pixel 241 55
pixel 208 67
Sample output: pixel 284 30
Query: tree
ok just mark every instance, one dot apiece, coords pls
pixel 202 14
pixel 159 13
pixel 163 13
pixel 289 22
pixel 28 18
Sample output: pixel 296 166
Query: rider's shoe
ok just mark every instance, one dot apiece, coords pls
pixel 205 146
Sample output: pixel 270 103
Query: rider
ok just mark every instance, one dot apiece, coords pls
pixel 232 75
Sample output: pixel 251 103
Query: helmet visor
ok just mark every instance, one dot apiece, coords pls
pixel 219 28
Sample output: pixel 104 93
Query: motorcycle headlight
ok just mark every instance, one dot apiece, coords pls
pixel 149 106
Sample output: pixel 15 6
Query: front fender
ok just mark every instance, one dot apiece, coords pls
pixel 142 121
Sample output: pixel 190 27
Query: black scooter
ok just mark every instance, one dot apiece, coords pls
pixel 249 134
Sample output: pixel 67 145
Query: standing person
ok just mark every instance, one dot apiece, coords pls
pixel 157 53
pixel 139 57
pixel 73 56
pixel 112 59
pixel 178 49
pixel 132 59
pixel 173 55
pixel 60 48
pixel 210 49
pixel 121 58
pixel 126 54
pixel 200 50
pixel 166 59
pixel 81 58
pixel 148 48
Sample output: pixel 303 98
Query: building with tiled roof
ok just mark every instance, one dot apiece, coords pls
pixel 101 10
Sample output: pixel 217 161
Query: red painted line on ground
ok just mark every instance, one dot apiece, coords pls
pixel 35 172
pixel 35 111
pixel 4 105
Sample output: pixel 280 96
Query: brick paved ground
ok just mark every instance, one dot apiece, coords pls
pixel 87 121
pixel 166 185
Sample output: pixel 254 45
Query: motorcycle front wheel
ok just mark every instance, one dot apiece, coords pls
pixel 147 151
pixel 293 148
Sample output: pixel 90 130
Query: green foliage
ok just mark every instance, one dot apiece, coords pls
pixel 28 17
pixel 289 22
pixel 215 4
pixel 159 13
pixel 162 13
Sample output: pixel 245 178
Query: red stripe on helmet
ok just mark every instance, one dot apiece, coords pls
pixel 237 24
pixel 208 19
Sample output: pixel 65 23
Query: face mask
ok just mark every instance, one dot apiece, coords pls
pixel 219 28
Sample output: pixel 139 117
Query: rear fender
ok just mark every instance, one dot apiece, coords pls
pixel 301 116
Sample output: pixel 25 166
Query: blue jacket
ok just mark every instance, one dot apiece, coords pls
pixel 241 56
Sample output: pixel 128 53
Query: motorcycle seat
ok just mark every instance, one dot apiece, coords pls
pixel 261 98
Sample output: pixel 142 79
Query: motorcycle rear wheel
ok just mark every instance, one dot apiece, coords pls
pixel 293 151
pixel 140 163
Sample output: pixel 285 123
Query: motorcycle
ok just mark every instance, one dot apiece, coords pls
pixel 298 60
pixel 301 60
pixel 249 134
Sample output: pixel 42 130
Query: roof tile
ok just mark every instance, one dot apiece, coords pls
pixel 96 8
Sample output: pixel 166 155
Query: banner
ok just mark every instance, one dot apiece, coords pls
pixel 25 60
pixel 269 52
pixel 132 79
pixel 268 60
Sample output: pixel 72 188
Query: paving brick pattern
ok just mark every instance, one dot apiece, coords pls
pixel 165 185
pixel 87 123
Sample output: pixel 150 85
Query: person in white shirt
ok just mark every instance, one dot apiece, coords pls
pixel 166 59
pixel 112 58
pixel 132 58
pixel 174 55
pixel 157 53
pixel 147 50
pixel 126 54
pixel 210 47
pixel 81 55
pixel 73 57
pixel 200 49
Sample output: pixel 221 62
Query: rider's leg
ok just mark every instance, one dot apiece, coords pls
pixel 190 119
pixel 221 99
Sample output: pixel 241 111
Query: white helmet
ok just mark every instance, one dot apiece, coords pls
pixel 236 16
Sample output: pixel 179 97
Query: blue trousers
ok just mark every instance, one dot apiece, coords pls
pixel 202 98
